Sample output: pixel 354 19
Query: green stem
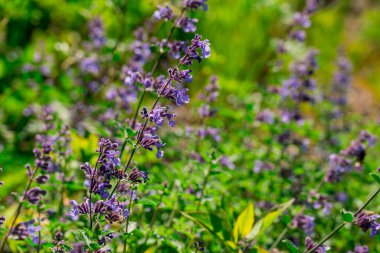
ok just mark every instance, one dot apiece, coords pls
pixel 203 187
pixel 344 223
pixel 127 223
pixel 155 66
pixel 18 210
pixel 141 132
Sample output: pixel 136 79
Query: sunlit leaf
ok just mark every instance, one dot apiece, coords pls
pixel 244 223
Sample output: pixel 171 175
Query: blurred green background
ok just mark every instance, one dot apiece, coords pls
pixel 242 33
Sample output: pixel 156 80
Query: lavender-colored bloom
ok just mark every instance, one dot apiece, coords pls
pixel 338 166
pixel 176 48
pixel 260 166
pixel 178 96
pixel 301 19
pixel 226 162
pixel 265 116
pixel 141 53
pixel 320 201
pixel 367 220
pixel 360 249
pixel 164 13
pixel 180 75
pixel 304 222
pixel 138 176
pixel 299 35
pixel 195 4
pixel 311 6
pixel 209 131
pixel 157 115
pixel 27 229
pixel 309 244
pixel 187 24
pixel 211 91
pixel 149 141
pixel 42 179
pixel 97 32
pixel 2 219
pixel 90 65
pixel 34 195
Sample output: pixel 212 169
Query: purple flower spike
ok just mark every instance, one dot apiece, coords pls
pixel 164 13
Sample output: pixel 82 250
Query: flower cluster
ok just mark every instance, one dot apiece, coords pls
pixel 106 168
pixel 304 222
pixel 349 158
pixel 367 220
pixel 113 210
pixel 309 244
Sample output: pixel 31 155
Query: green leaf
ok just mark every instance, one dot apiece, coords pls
pixel 202 224
pixel 216 222
pixel 85 237
pixel 376 177
pixel 147 202
pixel 244 223
pixel 272 216
pixel 291 246
pixel 347 216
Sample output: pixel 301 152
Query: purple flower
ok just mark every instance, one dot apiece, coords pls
pixel 187 24
pixel 138 176
pixel 157 116
pixel 265 116
pixel 90 65
pixel 367 220
pixel 2 219
pixel 299 35
pixel 309 244
pixel 180 75
pixel 301 19
pixel 27 229
pixel 164 13
pixel 195 4
pixel 149 141
pixel 304 222
pixel 178 96
pixel 97 32
pixel 360 249
pixel 34 195
pixel 226 162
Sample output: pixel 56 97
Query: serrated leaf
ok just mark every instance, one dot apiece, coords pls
pixel 290 246
pixel 244 223
pixel 376 177
pixel 85 237
pixel 347 216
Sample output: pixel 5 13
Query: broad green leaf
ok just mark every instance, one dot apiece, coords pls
pixel 347 216
pixel 202 224
pixel 272 216
pixel 290 246
pixel 244 223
